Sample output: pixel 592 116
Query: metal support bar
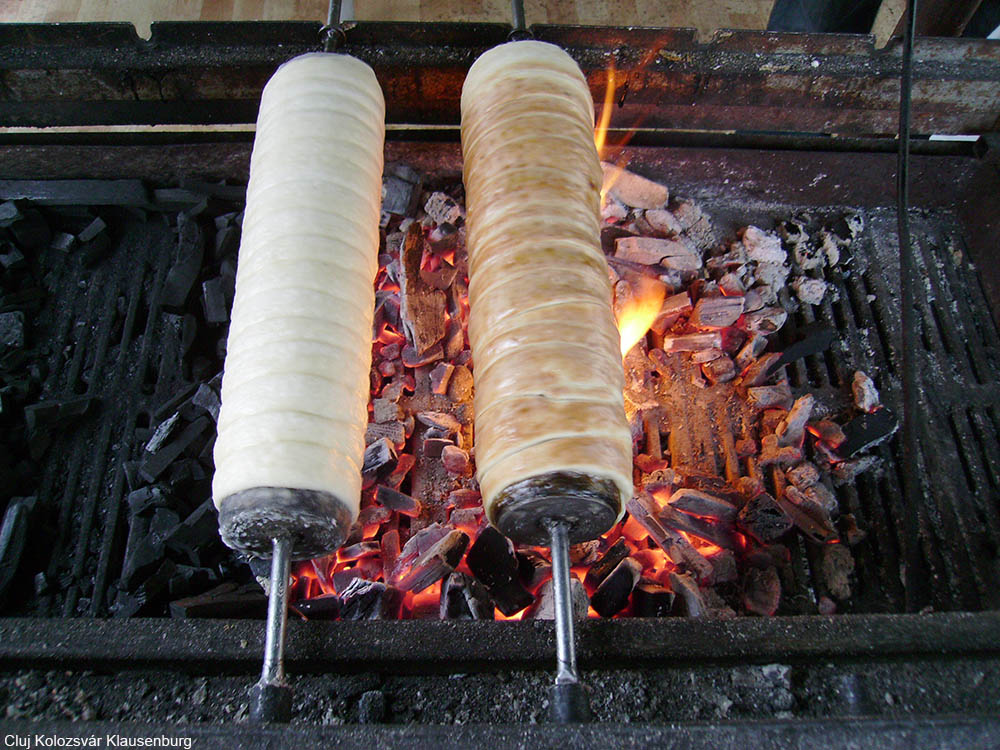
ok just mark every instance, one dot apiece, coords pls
pixel 520 31
pixel 272 699
pixel 568 697
pixel 332 34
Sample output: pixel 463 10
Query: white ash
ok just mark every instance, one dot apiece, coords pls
pixel 830 247
pixel 772 275
pixel 809 291
pixel 675 254
pixel 763 247
pixel 441 208
pixel 613 209
pixel 632 189
pixel 807 256
pixel 866 396
pixel 662 220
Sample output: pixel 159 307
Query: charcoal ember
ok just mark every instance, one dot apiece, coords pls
pixel 213 301
pixel 820 496
pixel 676 254
pixel 763 247
pixel 866 396
pixel 702 504
pixel 400 189
pixel 372 517
pixel 394 432
pixel 673 308
pixel 227 240
pixel 440 377
pixel 732 285
pixel 689 342
pixel 326 607
pixel 544 607
pixel 716 312
pixel 187 263
pixel 412 358
pixel 197 534
pixel 370 600
pixel 850 531
pixel 845 472
pixel 717 531
pixel 584 553
pixel 148 595
pixel 440 421
pixel 441 208
pixel 766 320
pixel 764 519
pixel 154 464
pixel 828 431
pixel 460 385
pixel 772 453
pixel 8 213
pixel 465 498
pixel 749 353
pixel 761 591
pixel 613 209
pixel 650 599
pixel 11 331
pixel 63 241
pixel 809 291
pixel 465 598
pixel 379 459
pixel 433 447
pixel 532 569
pixel 836 568
pixel 613 594
pixel 31 231
pixel 357 551
pixel 663 221
pixel 826 606
pixel 632 189
pixel 11 258
pixel 810 518
pixel 13 539
pixel 206 399
pixel 469 520
pixel 804 475
pixel 397 501
pixel 720 370
pixel 494 564
pixel 746 447
pixel 791 431
pixel 724 567
pixel 770 396
pixel 866 431
pixel 456 461
pixel 385 410
pixel 607 562
pixel 428 556
pixel 688 599
pixel 345 577
pixel 642 509
pixel 227 600
pixel 708 355
pixel 404 464
pixel 442 238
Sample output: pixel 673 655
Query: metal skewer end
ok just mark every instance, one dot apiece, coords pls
pixel 568 698
pixel 332 34
pixel 520 26
pixel 271 699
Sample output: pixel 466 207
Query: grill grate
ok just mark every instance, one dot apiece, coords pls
pixel 109 339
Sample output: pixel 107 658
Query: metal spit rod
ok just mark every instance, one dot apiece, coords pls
pixel 272 699
pixel 568 697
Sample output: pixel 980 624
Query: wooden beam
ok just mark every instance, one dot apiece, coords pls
pixel 934 18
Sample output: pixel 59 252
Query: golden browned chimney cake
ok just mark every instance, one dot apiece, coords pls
pixel 551 435
pixel 295 388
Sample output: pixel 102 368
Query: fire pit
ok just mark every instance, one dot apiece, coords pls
pixel 759 283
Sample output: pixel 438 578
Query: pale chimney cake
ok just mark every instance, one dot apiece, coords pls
pixel 295 388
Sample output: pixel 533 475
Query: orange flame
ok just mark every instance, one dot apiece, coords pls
pixel 601 131
pixel 638 313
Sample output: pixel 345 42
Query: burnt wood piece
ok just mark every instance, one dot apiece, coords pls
pixel 76 192
pixel 866 431
pixel 392 499
pixel 492 561
pixel 544 607
pixel 650 599
pixel 702 504
pixel 427 557
pixel 606 563
pixel 764 519
pixel 717 531
pixel 154 464
pixel 225 601
pixel 613 594
pixel 187 263
pixel 761 591
pixel 370 600
pixel 422 307
pixel 465 598
pixel 325 607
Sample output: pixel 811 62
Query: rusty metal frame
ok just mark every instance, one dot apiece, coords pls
pixel 212 73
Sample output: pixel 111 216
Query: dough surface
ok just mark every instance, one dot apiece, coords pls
pixel 549 374
pixel 296 382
